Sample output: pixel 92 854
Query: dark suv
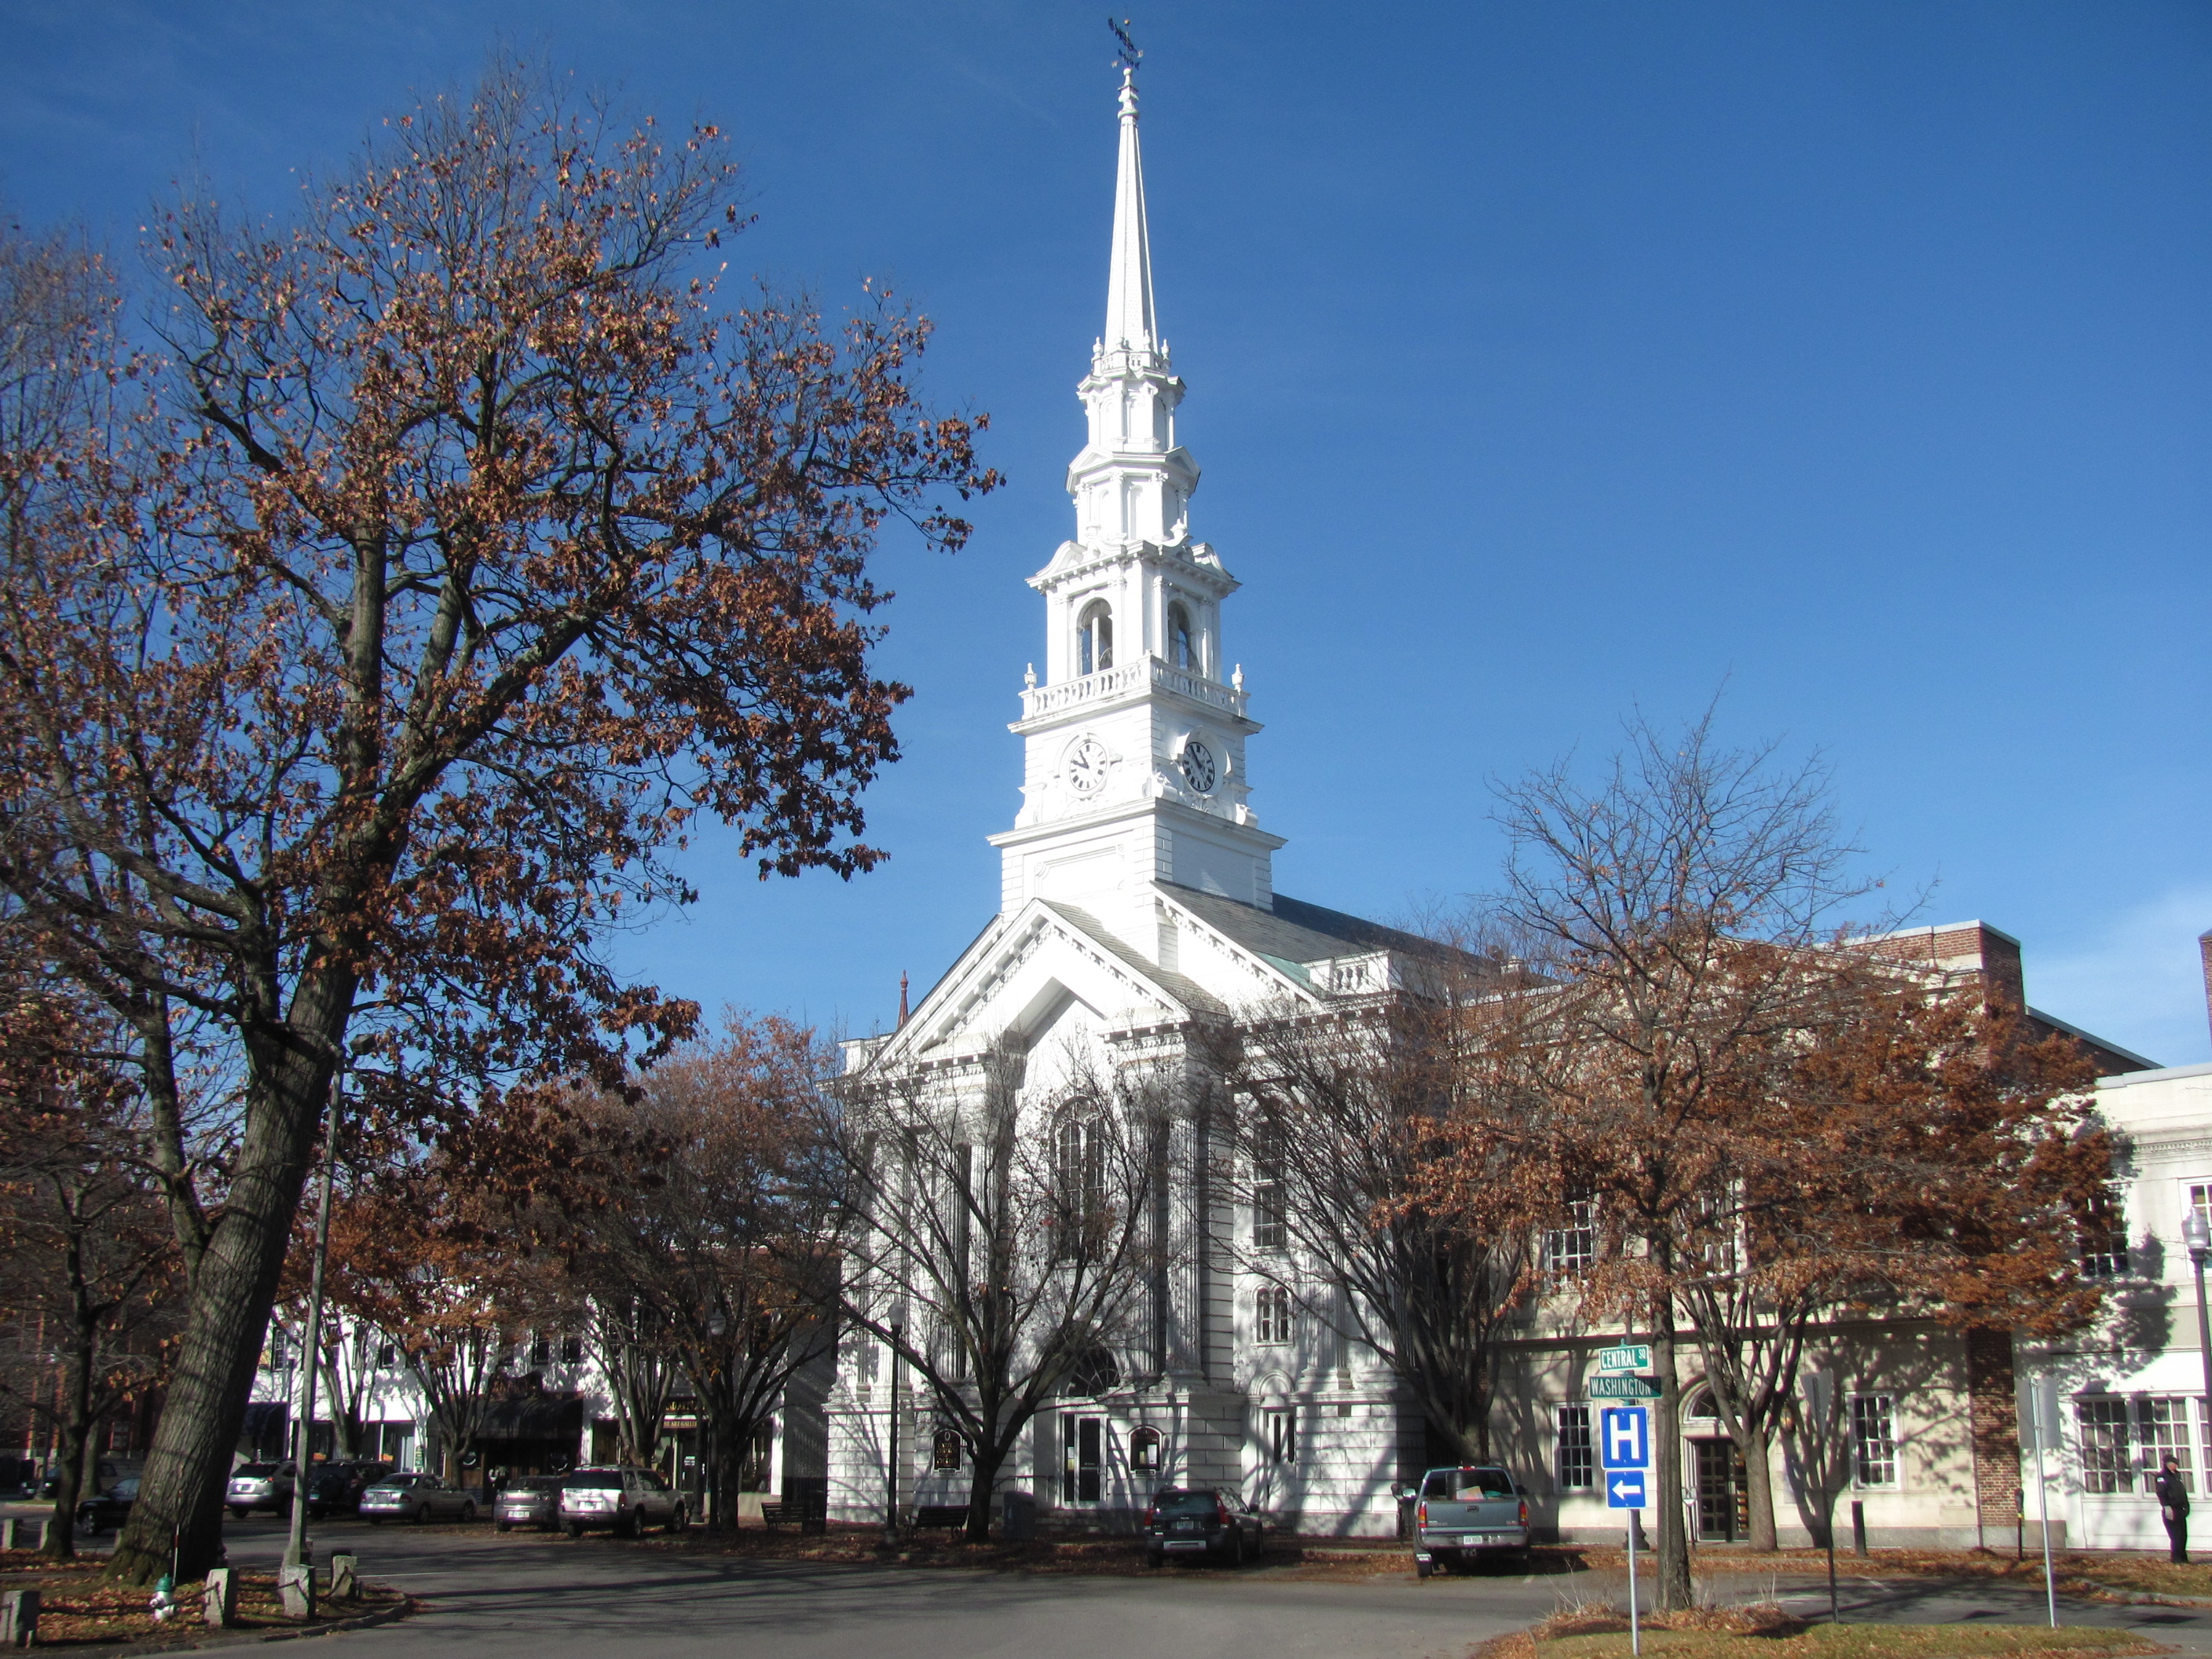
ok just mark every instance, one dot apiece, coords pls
pixel 1203 1521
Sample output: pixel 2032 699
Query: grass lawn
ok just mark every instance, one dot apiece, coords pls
pixel 1849 1642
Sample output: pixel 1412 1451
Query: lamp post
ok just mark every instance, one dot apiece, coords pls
pixel 891 1462
pixel 2198 1236
pixel 718 1327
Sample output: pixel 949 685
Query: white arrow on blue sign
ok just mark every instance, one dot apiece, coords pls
pixel 1624 1435
pixel 1624 1491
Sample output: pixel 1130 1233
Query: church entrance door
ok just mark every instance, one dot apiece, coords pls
pixel 1082 1443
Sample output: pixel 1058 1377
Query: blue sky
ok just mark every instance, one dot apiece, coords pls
pixel 1546 361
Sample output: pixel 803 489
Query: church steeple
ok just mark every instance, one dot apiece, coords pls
pixel 1130 323
pixel 1135 736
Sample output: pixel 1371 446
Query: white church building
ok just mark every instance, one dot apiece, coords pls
pixel 1137 894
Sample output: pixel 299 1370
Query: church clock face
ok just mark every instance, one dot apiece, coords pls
pixel 1086 764
pixel 1198 768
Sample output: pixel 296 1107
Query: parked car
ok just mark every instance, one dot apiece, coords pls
pixel 529 1500
pixel 626 1500
pixel 414 1497
pixel 110 1509
pixel 1203 1521
pixel 336 1488
pixel 260 1486
pixel 106 1472
pixel 1461 1515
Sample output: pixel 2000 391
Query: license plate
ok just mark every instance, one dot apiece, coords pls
pixel 1186 1526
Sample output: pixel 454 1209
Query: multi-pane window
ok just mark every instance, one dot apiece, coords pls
pixel 1269 1212
pixel 1874 1440
pixel 1282 1429
pixel 2105 1235
pixel 387 1355
pixel 1577 1464
pixel 1573 1249
pixel 2107 1460
pixel 1274 1320
pixel 541 1350
pixel 572 1350
pixel 2163 1421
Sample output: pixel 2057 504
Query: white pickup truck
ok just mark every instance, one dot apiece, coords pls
pixel 1461 1513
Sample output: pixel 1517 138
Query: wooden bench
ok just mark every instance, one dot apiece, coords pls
pixel 809 1512
pixel 940 1515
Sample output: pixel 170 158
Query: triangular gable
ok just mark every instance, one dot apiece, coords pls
pixel 1017 971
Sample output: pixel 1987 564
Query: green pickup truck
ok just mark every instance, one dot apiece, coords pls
pixel 1460 1513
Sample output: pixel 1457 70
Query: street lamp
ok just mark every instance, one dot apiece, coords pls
pixel 2198 1236
pixel 890 1463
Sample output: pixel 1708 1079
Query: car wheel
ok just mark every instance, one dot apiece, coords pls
pixel 627 1525
pixel 240 1510
pixel 468 1511
pixel 499 1525
pixel 374 1520
pixel 1156 1559
pixel 678 1520
pixel 575 1529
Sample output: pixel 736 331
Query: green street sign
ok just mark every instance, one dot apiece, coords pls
pixel 1635 1357
pixel 1623 1388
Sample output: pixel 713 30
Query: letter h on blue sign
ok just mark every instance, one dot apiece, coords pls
pixel 1625 1437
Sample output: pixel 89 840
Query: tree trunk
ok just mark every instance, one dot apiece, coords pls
pixel 981 1486
pixel 1756 1448
pixel 1671 1594
pixel 232 1293
pixel 69 1466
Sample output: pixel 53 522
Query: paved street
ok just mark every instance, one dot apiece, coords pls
pixel 552 1599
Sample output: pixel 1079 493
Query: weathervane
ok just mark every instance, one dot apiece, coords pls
pixel 1128 56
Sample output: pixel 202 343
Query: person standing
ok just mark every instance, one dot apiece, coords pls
pixel 2173 1489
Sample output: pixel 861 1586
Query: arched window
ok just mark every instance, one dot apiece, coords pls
pixel 1182 644
pixel 1094 638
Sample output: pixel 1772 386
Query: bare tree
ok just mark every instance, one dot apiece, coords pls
pixel 1006 1241
pixel 1340 1122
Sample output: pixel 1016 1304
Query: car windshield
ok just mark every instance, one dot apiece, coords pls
pixel 1468 1483
pixel 393 1482
pixel 126 1487
pixel 596 1480
pixel 536 1483
pixel 254 1471
pixel 1185 1502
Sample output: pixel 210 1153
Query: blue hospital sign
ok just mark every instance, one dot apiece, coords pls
pixel 1625 1437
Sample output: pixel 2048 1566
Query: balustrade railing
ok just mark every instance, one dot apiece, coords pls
pixel 1125 678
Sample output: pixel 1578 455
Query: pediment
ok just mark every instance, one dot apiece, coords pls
pixel 1026 973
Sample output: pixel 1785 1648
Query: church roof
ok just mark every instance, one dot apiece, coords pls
pixel 1294 930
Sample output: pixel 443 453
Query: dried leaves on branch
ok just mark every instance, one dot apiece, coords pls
pixel 354 689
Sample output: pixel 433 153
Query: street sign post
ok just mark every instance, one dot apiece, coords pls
pixel 1629 1357
pixel 1624 1438
pixel 1623 1388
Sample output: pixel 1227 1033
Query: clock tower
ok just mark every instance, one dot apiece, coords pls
pixel 1134 737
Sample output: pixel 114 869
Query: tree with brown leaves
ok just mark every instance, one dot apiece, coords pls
pixel 722 1250
pixel 352 692
pixel 1702 1020
pixel 87 1265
